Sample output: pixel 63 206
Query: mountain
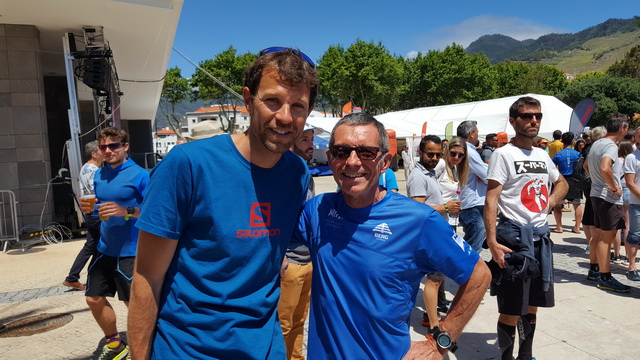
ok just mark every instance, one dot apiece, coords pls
pixel 181 108
pixel 594 48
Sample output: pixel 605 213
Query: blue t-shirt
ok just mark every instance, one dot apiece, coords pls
pixel 564 160
pixel 125 185
pixel 367 268
pixel 388 180
pixel 233 221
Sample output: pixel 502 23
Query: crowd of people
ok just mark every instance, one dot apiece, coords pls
pixel 224 249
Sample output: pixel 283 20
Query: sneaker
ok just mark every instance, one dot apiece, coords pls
pixel 612 285
pixel 593 275
pixel 429 334
pixel 108 354
pixel 617 260
pixel 633 275
pixel 425 320
pixel 76 285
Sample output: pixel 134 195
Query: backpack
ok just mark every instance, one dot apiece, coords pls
pixel 581 179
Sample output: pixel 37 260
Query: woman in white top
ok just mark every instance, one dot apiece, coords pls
pixel 452 171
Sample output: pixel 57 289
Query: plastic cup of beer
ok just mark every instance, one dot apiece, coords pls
pixel 102 217
pixel 91 199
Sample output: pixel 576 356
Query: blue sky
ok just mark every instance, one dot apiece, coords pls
pixel 208 27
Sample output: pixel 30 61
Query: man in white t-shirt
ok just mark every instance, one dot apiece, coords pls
pixel 632 176
pixel 606 200
pixel 521 249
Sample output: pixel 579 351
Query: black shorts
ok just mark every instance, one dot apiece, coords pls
pixel 587 215
pixel 573 193
pixel 607 216
pixel 515 297
pixel 108 275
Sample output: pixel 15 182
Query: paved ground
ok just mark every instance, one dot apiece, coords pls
pixel 586 323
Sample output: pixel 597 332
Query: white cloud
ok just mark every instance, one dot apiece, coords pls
pixel 470 30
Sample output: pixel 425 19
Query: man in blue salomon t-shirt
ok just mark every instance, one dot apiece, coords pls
pixel 370 248
pixel 216 224
pixel 119 189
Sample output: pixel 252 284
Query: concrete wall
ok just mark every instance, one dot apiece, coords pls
pixel 24 149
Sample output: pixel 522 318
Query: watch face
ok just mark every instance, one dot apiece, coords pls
pixel 444 341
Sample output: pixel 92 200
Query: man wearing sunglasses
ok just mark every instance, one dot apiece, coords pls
pixel 520 245
pixel 423 186
pixel 119 186
pixel 214 229
pixel 370 248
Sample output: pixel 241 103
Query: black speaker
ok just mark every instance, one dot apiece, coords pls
pixel 97 74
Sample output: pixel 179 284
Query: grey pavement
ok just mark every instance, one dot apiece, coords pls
pixel 586 323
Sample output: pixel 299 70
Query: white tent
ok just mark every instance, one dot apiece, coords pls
pixel 492 117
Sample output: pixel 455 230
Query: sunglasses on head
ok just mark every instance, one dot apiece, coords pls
pixel 113 146
pixel 302 55
pixel 342 152
pixel 454 154
pixel 432 154
pixel 529 116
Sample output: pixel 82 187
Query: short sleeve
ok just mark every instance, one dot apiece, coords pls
pixel 442 250
pixel 498 168
pixel 167 200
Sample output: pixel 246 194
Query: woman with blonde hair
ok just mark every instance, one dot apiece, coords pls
pixel 453 169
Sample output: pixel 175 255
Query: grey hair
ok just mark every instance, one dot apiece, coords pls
pixel 597 133
pixel 466 127
pixel 90 148
pixel 362 119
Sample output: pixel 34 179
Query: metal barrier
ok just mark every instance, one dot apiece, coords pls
pixel 8 218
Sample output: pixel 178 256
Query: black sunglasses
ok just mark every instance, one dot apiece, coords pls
pixel 454 154
pixel 529 116
pixel 432 154
pixel 302 55
pixel 342 152
pixel 113 146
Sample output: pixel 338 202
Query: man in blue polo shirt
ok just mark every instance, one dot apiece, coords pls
pixel 370 248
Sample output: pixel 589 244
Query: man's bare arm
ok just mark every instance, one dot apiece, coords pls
pixel 152 261
pixel 494 189
pixel 560 188
pixel 464 305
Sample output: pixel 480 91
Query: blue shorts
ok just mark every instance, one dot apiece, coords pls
pixel 633 238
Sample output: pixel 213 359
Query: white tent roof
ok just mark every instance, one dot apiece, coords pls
pixel 492 117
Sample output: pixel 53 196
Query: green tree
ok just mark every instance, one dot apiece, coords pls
pixel 544 79
pixel 372 78
pixel 629 66
pixel 509 78
pixel 332 72
pixel 175 90
pixel 452 76
pixel 227 67
pixel 610 93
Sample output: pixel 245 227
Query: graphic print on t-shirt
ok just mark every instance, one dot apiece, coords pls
pixel 535 194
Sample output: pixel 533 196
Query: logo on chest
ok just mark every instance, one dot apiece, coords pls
pixel 382 232
pixel 530 167
pixel 259 221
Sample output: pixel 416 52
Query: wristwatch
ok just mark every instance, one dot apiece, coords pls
pixel 444 340
pixel 131 210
